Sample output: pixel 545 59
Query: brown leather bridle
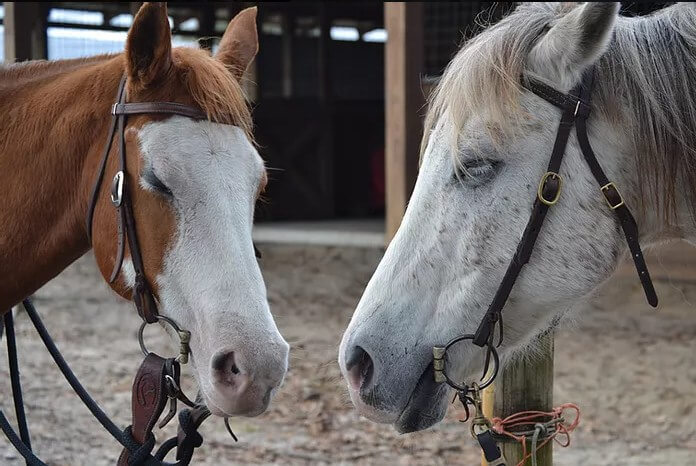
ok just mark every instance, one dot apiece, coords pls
pixel 121 198
pixel 575 107
pixel 157 381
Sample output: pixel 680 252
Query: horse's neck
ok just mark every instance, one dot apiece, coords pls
pixel 53 126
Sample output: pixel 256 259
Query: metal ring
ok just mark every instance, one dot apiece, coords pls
pixel 464 387
pixel 184 337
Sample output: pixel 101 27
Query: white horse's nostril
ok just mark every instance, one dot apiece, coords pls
pixel 360 368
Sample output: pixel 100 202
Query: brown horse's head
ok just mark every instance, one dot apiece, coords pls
pixel 193 186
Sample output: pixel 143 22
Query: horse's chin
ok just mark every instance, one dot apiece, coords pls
pixel 426 406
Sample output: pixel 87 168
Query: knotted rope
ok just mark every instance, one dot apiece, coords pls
pixel 546 426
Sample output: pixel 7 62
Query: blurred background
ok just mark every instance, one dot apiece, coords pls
pixel 342 152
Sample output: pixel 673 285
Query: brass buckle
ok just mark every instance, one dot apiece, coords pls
pixel 605 189
pixel 540 191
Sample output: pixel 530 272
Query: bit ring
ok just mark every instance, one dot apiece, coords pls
pixel 440 359
pixel 184 338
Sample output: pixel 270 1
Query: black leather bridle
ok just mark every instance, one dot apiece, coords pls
pixel 575 107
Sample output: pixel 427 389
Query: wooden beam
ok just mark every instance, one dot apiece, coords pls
pixel 25 31
pixel 404 100
pixel 526 385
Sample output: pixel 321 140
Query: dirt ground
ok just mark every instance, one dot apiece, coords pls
pixel 632 370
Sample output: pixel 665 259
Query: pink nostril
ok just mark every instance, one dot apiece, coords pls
pixel 360 368
pixel 225 367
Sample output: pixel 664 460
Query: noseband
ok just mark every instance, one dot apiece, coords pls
pixel 157 380
pixel 575 107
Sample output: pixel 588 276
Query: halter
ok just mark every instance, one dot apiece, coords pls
pixel 575 107
pixel 157 380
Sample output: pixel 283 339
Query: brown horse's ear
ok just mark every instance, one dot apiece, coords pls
pixel 149 45
pixel 240 42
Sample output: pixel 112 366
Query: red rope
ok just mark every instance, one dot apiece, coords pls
pixel 529 419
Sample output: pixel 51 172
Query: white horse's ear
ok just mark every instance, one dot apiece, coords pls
pixel 574 41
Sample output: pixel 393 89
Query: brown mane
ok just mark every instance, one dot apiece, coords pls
pixel 209 82
pixel 214 88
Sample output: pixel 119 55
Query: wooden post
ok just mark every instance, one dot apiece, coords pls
pixel 526 385
pixel 326 107
pixel 25 31
pixel 403 101
pixel 206 30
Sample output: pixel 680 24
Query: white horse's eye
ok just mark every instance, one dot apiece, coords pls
pixel 477 171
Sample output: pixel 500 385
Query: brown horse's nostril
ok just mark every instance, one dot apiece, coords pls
pixel 360 368
pixel 225 363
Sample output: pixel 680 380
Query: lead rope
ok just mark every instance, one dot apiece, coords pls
pixel 187 429
pixel 547 426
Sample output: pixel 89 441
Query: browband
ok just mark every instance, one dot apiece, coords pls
pixel 168 108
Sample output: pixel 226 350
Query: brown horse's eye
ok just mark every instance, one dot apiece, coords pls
pixel 151 179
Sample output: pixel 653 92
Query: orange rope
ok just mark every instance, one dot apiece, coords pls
pixel 530 419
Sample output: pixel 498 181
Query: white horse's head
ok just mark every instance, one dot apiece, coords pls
pixel 486 146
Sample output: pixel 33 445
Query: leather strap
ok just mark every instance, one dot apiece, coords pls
pixel 490 449
pixel 616 203
pixel 167 108
pixel 550 188
pixel 576 109
pixel 94 196
pixel 148 400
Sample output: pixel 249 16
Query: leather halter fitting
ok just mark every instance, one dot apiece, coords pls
pixel 575 107
pixel 120 195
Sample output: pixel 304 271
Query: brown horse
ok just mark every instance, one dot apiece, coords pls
pixel 193 185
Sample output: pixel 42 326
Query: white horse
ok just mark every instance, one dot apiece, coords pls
pixel 486 145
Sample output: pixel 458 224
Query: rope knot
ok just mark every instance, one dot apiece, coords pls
pixel 138 453
pixel 541 426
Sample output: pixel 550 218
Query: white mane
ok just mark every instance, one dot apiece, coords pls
pixel 645 85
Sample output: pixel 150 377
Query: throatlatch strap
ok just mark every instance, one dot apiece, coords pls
pixel 102 165
pixel 615 202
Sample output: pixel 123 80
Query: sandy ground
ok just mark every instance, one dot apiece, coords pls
pixel 631 369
